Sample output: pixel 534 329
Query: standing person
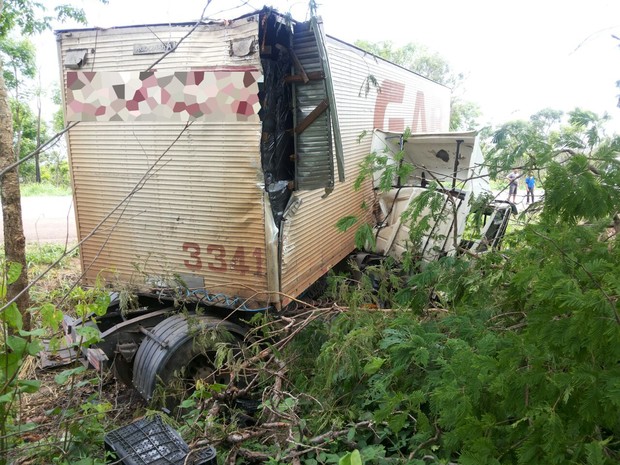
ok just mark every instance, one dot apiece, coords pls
pixel 530 182
pixel 512 187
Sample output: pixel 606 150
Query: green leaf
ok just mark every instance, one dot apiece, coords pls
pixel 63 377
pixel 102 302
pixel 29 386
pixel 12 317
pixel 85 461
pixel 217 387
pixel 365 237
pixel 351 458
pixel 188 403
pixel 13 271
pixel 34 347
pixel 345 223
pixel 332 458
pixel 8 397
pixel 28 426
pixel 40 332
pixel 594 453
pixel 51 317
pixel 373 452
pixel 397 422
pixel 88 334
pixel 9 364
pixel 374 365
pixel 17 344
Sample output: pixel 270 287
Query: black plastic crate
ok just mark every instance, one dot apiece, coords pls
pixel 151 442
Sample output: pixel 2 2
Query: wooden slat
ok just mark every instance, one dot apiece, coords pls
pixel 311 118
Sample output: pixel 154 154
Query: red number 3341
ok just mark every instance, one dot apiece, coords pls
pixel 216 259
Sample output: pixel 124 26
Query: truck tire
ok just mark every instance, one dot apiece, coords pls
pixel 172 353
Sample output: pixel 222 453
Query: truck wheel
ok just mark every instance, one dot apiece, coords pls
pixel 180 350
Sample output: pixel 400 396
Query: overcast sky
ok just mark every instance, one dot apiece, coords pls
pixel 518 56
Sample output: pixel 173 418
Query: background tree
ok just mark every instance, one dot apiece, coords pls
pixel 56 168
pixel 19 58
pixel 419 59
pixel 31 131
pixel 26 17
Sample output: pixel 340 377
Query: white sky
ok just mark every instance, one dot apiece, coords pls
pixel 519 56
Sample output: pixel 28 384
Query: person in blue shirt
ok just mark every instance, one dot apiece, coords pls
pixel 529 185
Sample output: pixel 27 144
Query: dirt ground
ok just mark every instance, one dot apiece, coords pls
pixel 44 408
pixel 47 409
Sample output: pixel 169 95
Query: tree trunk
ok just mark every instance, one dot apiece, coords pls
pixel 14 240
pixel 37 166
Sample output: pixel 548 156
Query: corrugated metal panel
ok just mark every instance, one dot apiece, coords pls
pixel 209 45
pixel 314 168
pixel 200 211
pixel 311 242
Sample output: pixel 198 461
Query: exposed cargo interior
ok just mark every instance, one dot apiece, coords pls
pixel 298 110
pixel 276 98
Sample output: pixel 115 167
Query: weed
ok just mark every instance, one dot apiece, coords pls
pixel 48 253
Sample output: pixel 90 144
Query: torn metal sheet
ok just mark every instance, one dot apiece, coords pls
pixel 76 58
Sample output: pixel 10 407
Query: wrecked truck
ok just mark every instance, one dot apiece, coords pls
pixel 212 161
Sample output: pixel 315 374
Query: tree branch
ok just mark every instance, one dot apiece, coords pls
pixel 41 148
pixel 610 300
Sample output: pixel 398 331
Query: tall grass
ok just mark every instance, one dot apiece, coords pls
pixel 46 253
pixel 33 189
pixel 53 286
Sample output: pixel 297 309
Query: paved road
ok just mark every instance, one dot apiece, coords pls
pixel 47 219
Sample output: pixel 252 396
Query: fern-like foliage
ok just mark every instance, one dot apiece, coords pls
pixel 505 358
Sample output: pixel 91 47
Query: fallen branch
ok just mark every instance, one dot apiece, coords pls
pixel 239 437
pixel 330 435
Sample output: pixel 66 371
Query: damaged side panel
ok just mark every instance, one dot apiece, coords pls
pixel 311 242
pixel 315 111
